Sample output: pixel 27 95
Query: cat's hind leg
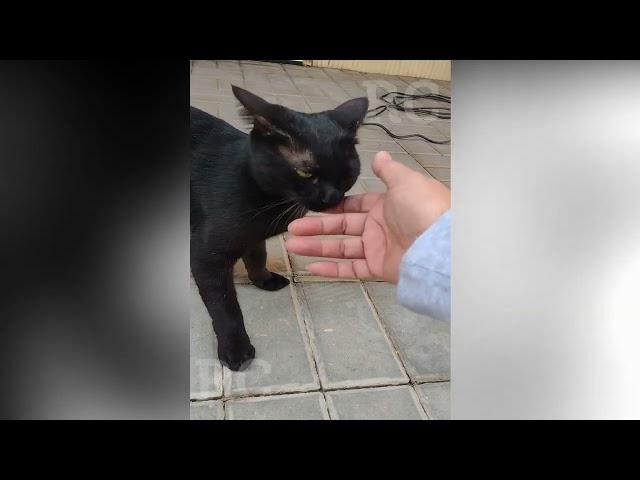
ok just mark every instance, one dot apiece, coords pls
pixel 255 260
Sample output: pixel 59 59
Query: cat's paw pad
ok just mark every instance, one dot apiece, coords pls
pixel 236 357
pixel 272 282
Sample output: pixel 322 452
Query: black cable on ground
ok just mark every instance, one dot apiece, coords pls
pixel 397 102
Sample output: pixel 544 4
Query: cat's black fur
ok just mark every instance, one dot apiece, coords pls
pixel 247 188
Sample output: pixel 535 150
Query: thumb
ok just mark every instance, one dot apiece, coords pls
pixel 389 171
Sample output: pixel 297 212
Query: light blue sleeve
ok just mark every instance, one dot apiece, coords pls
pixel 425 272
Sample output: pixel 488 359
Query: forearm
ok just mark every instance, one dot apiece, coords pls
pixel 424 284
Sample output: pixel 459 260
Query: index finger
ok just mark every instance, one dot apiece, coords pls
pixel 362 202
pixel 344 224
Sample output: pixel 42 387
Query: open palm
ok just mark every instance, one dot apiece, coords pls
pixel 380 226
pixel 374 251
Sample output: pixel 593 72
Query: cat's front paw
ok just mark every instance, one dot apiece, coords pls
pixel 271 282
pixel 235 355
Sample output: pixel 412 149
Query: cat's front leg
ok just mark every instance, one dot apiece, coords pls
pixel 218 293
pixel 255 260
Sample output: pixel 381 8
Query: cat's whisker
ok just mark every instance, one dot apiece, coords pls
pixel 282 216
pixel 268 206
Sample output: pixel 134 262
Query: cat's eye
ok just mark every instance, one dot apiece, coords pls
pixel 303 174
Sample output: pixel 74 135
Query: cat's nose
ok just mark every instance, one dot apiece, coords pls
pixel 331 197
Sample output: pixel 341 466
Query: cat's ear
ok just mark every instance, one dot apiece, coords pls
pixel 265 116
pixel 350 114
pixel 252 103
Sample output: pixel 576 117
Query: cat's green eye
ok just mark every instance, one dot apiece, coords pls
pixel 303 174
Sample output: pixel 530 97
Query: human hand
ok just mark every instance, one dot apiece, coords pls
pixel 383 225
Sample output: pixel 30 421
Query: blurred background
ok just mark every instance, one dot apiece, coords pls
pixel 93 208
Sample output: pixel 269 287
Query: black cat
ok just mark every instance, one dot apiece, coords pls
pixel 247 188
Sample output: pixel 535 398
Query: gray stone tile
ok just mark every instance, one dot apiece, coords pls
pixel 385 403
pixel 372 133
pixel 305 71
pixel 433 160
pixel 436 399
pixel 211 410
pixel 366 162
pixel 355 88
pixel 350 347
pixel 423 343
pixel 208 106
pixel 376 146
pixel 318 87
pixel 229 112
pixel 276 261
pixel 419 146
pixel 283 360
pixel 443 149
pixel 443 126
pixel 275 83
pixel 305 406
pixel 423 129
pixel 296 103
pixel 340 75
pixel 205 368
pixel 440 173
pixel 321 106
pixel 373 185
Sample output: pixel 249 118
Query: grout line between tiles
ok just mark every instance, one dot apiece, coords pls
pixel 310 346
pixel 416 399
pixel 387 334
pixel 294 392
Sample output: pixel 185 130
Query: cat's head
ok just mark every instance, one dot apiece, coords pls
pixel 308 157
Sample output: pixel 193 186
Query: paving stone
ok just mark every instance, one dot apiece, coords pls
pixel 422 342
pixel 433 160
pixel 410 162
pixel 440 173
pixel 296 103
pixel 205 368
pixel 202 83
pixel 436 399
pixel 370 132
pixel 356 88
pixel 386 403
pixel 305 71
pixel 419 146
pixel 276 261
pixel 424 129
pixel 373 185
pixel 351 348
pixel 443 149
pixel 321 106
pixel 376 146
pixel 206 106
pixel 305 406
pixel 212 410
pixel 443 126
pixel 229 112
pixel 233 65
pixel 283 360
pixel 204 64
pixel 366 162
